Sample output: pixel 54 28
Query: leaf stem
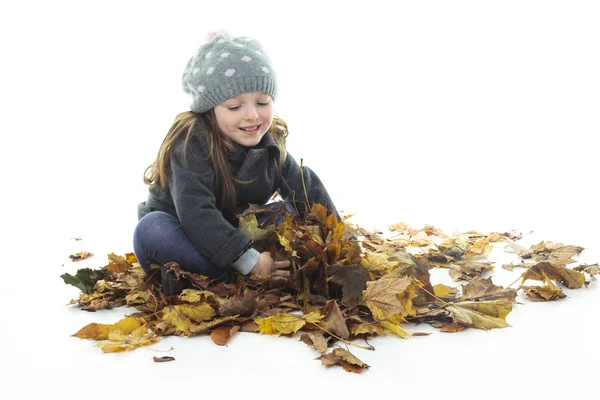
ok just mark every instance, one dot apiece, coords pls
pixel 344 340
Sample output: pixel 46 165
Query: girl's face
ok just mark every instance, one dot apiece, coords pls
pixel 245 118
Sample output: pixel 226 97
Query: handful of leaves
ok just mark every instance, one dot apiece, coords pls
pixel 340 290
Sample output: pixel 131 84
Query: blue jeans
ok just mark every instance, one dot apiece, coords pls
pixel 159 238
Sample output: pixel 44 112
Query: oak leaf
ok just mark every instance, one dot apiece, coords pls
pixel 82 255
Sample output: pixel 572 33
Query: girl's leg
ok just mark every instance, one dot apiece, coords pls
pixel 159 238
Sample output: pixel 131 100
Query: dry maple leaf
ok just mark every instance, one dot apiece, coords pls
pixel 182 316
pixel 334 320
pixel 543 293
pixel 484 290
pixel 382 298
pixel 344 359
pixel 569 277
pixel 482 315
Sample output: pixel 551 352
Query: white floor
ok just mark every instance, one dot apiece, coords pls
pixel 462 115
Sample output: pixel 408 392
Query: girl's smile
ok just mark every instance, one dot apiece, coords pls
pixel 245 119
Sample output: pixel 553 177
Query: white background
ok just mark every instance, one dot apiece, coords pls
pixel 459 114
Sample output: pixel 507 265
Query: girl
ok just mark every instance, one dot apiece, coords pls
pixel 224 154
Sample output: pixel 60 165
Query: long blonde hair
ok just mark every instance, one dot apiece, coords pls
pixel 219 147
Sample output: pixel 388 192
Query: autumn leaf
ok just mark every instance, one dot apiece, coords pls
pixel 96 331
pixel 569 277
pixel 182 316
pixel 589 269
pixel 119 341
pixel 343 358
pixel 334 321
pixel 223 334
pixel 543 293
pixel 482 315
pixel 382 298
pixel 280 324
pixel 448 327
pixel 484 290
pixel 315 339
pixel 117 263
pixel 245 304
pixel 163 359
pixel 85 278
pixel 82 255
pixel 347 283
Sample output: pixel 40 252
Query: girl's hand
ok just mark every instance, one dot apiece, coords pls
pixel 273 268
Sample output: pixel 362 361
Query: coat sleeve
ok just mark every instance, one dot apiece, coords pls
pixel 291 187
pixel 193 192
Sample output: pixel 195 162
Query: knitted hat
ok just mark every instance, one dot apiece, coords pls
pixel 226 67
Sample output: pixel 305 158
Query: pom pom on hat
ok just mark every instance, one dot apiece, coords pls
pixel 226 67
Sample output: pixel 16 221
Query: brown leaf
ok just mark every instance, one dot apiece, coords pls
pixel 484 289
pixel 569 277
pixel 482 315
pixel 334 320
pixel 590 269
pixel 244 305
pixel 381 297
pixel 347 283
pixel 343 358
pixel 544 293
pixel 316 340
pixel 82 255
pixel 223 334
pixel 163 359
pixel 448 327
pixel 117 263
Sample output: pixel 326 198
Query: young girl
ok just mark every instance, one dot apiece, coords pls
pixel 224 154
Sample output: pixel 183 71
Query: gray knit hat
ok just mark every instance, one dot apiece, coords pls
pixel 226 67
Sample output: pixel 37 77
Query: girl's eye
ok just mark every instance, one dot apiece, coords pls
pixel 263 104
pixel 234 108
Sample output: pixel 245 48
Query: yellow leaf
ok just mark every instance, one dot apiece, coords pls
pixel 183 315
pixel 571 278
pixel 441 290
pixel 121 342
pixel 367 328
pixel 482 314
pixel 96 331
pixel 280 324
pixel 395 329
pixel 313 317
pixel 391 297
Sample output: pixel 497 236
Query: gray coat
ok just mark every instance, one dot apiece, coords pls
pixel 193 194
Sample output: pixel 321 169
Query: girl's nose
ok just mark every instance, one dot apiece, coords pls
pixel 251 114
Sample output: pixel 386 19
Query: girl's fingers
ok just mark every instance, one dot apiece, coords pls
pixel 281 274
pixel 281 264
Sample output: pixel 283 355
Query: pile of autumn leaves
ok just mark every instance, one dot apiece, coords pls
pixel 340 289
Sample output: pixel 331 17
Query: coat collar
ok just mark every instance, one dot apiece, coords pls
pixel 240 152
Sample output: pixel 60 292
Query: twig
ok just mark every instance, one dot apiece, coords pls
pixel 344 340
pixel 303 185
